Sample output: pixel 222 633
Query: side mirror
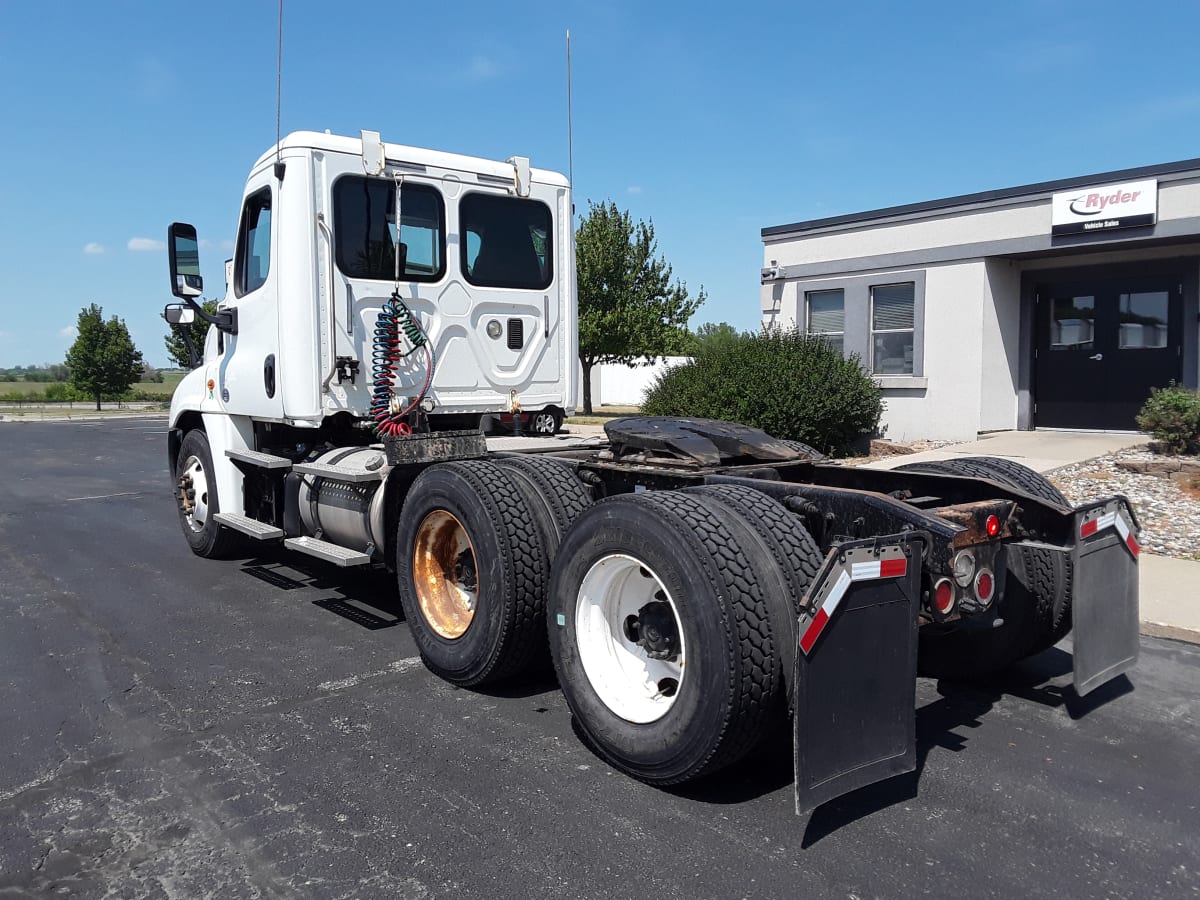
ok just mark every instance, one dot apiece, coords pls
pixel 178 314
pixel 183 250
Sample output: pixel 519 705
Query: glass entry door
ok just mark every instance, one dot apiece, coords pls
pixel 1101 346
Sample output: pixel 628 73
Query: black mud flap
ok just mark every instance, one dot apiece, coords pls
pixel 1104 601
pixel 855 701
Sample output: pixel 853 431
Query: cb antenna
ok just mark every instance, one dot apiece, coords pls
pixel 278 94
pixel 570 137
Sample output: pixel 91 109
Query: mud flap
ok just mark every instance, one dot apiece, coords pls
pixel 855 678
pixel 1104 601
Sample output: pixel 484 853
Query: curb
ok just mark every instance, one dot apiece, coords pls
pixel 1170 632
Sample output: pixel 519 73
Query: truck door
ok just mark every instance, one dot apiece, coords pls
pixel 247 383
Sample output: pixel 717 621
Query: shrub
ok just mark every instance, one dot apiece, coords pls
pixel 1172 417
pixel 788 384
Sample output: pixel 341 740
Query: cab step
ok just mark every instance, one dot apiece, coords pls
pixel 334 553
pixel 339 473
pixel 260 531
pixel 262 460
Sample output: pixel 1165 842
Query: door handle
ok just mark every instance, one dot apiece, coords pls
pixel 1097 356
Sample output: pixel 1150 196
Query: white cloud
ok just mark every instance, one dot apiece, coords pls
pixel 634 189
pixel 93 248
pixel 483 68
pixel 143 245
pixel 69 332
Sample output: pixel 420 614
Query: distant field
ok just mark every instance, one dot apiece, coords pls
pixel 164 390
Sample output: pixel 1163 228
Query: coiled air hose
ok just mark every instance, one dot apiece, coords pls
pixel 395 326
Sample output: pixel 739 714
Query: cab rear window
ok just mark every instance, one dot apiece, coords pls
pixel 364 229
pixel 506 242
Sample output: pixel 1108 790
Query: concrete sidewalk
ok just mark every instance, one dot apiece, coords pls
pixel 1169 588
pixel 1039 450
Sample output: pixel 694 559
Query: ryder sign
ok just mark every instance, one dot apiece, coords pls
pixel 1101 208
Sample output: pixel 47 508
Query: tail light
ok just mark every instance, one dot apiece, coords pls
pixel 992 526
pixel 985 586
pixel 943 596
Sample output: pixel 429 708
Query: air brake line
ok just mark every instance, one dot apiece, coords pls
pixel 396 325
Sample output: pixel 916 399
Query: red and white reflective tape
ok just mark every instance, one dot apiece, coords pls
pixel 871 570
pixel 1111 519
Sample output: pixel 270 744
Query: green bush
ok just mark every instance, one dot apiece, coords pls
pixel 1172 417
pixel 788 384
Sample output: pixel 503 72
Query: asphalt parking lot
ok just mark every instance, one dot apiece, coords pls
pixel 175 727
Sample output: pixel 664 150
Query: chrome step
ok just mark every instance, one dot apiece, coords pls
pixel 339 556
pixel 258 530
pixel 338 473
pixel 262 460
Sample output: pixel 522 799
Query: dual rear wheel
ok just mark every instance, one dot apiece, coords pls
pixel 670 614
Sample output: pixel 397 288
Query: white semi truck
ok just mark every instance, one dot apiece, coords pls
pixel 693 581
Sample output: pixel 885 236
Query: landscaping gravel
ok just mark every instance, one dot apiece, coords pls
pixel 1169 515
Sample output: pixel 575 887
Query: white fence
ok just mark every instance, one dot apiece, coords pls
pixel 616 385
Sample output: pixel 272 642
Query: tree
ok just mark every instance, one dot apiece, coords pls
pixel 176 348
pixel 715 336
pixel 629 311
pixel 103 360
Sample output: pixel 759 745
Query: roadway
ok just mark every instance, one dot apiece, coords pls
pixel 176 727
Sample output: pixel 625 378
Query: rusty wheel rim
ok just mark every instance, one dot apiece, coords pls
pixel 445 574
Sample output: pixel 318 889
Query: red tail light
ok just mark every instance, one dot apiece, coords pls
pixel 992 525
pixel 985 584
pixel 943 596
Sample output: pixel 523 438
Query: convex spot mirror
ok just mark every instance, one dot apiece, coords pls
pixel 178 314
pixel 183 249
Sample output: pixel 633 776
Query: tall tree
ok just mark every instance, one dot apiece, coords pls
pixel 629 310
pixel 713 337
pixel 103 360
pixel 177 348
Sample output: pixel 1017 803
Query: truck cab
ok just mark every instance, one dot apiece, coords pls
pixel 487 274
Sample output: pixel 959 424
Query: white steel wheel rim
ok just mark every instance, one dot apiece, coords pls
pixel 543 423
pixel 194 479
pixel 632 684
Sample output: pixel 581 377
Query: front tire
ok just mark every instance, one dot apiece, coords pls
pixel 661 636
pixel 196 497
pixel 546 423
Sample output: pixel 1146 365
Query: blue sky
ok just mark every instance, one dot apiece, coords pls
pixel 714 120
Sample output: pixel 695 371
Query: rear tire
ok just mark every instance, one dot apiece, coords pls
pixel 660 573
pixel 1036 604
pixel 784 538
pixel 804 449
pixel 472 569
pixel 196 497
pixel 551 487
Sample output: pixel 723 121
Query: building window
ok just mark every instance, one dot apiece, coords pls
pixel 892 331
pixel 827 316
pixel 1072 323
pixel 506 242
pixel 1144 320
pixel 253 252
pixel 364 227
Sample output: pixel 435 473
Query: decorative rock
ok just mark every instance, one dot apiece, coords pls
pixel 1169 517
pixel 1159 466
pixel 880 447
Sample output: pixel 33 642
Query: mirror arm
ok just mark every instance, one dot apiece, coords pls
pixel 226 319
pixel 193 357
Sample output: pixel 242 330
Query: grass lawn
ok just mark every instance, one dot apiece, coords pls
pixel 149 388
pixel 602 414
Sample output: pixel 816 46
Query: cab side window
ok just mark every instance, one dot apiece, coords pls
pixel 252 260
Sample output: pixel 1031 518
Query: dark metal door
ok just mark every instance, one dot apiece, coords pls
pixel 1101 346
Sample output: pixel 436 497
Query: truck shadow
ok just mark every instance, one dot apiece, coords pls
pixel 963 704
pixel 365 596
